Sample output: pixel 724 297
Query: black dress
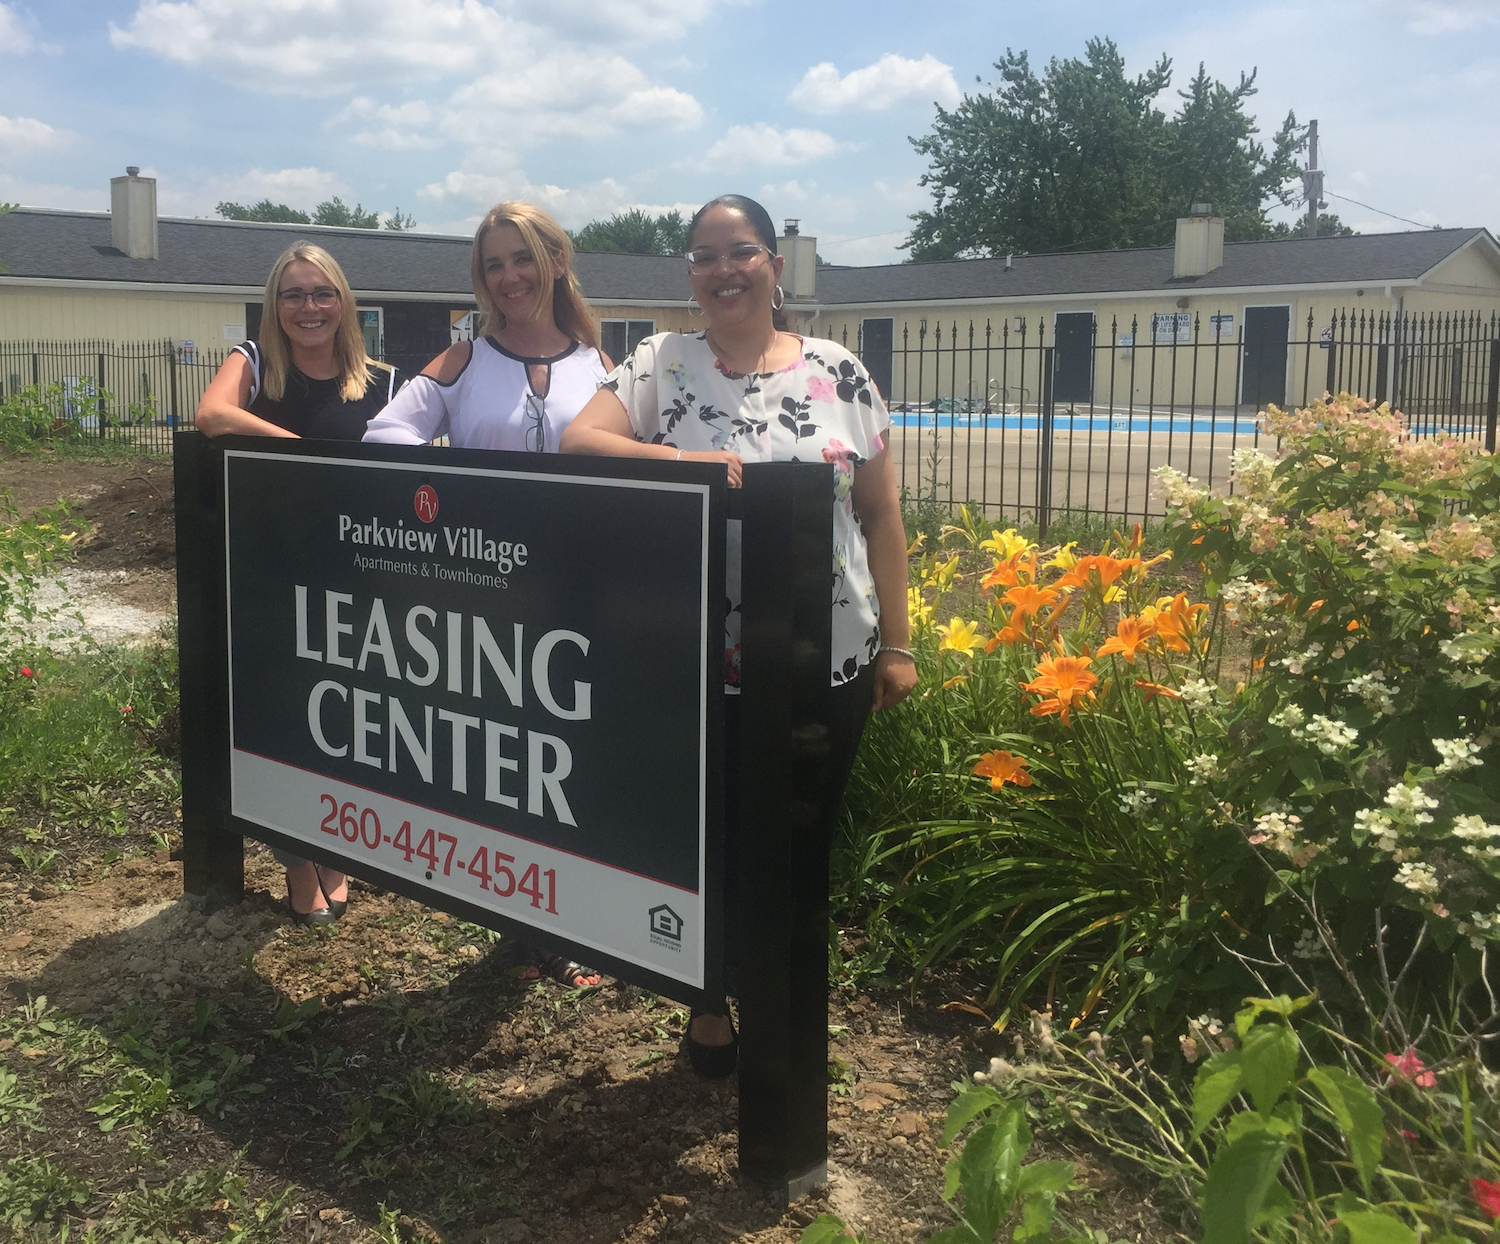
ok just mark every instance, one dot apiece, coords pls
pixel 314 408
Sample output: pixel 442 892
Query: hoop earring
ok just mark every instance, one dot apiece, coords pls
pixel 693 309
pixel 778 299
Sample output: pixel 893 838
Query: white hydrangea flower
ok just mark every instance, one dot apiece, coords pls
pixel 1203 766
pixel 1179 491
pixel 1210 1024
pixel 1198 694
pixel 1387 548
pixel 1418 878
pixel 1296 662
pixel 1328 736
pixel 1457 754
pixel 1136 802
pixel 1289 718
pixel 1374 691
pixel 1309 946
pixel 1276 830
pixel 1379 826
pixel 1410 801
pixel 1253 471
pixel 1474 828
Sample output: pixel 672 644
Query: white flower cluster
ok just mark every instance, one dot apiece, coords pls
pixel 1203 767
pixel 1476 832
pixel 1309 946
pixel 1277 830
pixel 1327 734
pixel 1179 491
pixel 1199 694
pixel 1136 802
pixel 1243 599
pixel 1379 826
pixel 1252 470
pixel 1469 648
pixel 1410 801
pixel 1289 718
pixel 1457 754
pixel 1296 662
pixel 1477 926
pixel 1373 689
pixel 1418 878
pixel 1387 548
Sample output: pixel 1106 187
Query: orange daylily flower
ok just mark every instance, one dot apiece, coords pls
pixel 1031 599
pixel 1107 569
pixel 1008 571
pixel 1066 684
pixel 1150 690
pixel 1129 638
pixel 1177 622
pixel 1001 767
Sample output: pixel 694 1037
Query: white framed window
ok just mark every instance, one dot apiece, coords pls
pixel 619 338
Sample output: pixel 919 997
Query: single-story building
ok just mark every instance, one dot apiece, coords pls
pixel 1130 327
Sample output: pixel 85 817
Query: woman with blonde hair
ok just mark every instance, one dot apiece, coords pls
pixel 307 376
pixel 520 384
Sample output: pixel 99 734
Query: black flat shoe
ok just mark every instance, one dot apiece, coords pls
pixel 337 906
pixel 318 915
pixel 717 1062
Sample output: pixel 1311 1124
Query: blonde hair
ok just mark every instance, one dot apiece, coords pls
pixel 348 342
pixel 552 249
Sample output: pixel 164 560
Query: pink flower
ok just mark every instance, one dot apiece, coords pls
pixel 1409 1067
pixel 820 389
pixel 839 454
pixel 26 671
pixel 1488 1196
pixel 127 708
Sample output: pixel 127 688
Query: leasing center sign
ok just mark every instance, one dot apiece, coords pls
pixel 491 683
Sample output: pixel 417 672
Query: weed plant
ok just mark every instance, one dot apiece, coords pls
pixel 50 421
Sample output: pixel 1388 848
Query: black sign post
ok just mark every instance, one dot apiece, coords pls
pixel 492 682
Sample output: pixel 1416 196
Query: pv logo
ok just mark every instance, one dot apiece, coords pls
pixel 425 503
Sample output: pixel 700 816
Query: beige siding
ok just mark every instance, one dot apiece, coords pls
pixel 126 315
pixel 668 319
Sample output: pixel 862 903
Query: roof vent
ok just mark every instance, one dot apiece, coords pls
pixel 791 226
pixel 132 209
pixel 1008 264
pixel 1200 244
pixel 799 274
pixel 1201 209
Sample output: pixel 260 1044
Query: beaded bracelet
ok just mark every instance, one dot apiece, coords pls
pixel 900 652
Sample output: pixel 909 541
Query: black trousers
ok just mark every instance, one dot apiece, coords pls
pixel 849 710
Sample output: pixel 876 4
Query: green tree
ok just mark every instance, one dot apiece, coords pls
pixel 336 212
pixel 1329 226
pixel 1082 159
pixel 635 233
pixel 398 223
pixel 265 211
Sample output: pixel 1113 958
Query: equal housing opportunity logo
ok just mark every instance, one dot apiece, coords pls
pixel 666 927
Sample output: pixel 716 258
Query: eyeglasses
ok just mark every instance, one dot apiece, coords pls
pixel 323 296
pixel 740 255
pixel 536 424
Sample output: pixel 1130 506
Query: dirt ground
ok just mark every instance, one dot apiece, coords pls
pixel 425 1075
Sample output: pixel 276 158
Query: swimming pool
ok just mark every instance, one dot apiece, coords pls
pixel 1224 424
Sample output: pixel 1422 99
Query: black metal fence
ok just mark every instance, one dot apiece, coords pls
pixel 1001 417
pixel 134 392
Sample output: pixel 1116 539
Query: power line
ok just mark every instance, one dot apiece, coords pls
pixel 1382 211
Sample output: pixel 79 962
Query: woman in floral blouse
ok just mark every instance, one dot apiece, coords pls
pixel 742 391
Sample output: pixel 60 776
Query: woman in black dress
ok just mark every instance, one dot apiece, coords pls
pixel 307 376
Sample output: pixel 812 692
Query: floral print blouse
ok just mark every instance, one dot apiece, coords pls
pixel 823 407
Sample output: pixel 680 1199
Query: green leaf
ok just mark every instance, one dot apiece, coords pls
pixel 825 1229
pixel 950 1179
pixel 1358 1115
pixel 1277 1206
pixel 1267 1063
pixel 990 1168
pixel 1045 1177
pixel 974 1099
pixel 1238 1184
pixel 1036 1218
pixel 1374 1227
pixel 1216 1084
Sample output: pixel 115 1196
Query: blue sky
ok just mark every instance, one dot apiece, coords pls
pixel 441 107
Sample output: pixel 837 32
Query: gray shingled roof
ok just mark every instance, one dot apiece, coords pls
pixel 1374 258
pixel 76 246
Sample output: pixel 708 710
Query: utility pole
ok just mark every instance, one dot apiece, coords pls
pixel 1312 181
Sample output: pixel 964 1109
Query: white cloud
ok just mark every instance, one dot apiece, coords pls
pixel 573 206
pixel 319 47
pixel 1443 17
pixel 44 194
pixel 765 144
pixel 890 82
pixel 565 97
pixel 23 134
pixel 392 127
pixel 302 188
pixel 15 38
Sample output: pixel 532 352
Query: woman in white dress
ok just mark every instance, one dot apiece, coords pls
pixel 518 386
pixel 743 391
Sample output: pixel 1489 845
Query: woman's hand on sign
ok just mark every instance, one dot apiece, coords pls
pixel 895 679
pixel 728 457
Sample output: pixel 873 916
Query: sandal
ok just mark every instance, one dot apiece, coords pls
pixel 318 915
pixel 566 972
pixel 716 1062
pixel 518 960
